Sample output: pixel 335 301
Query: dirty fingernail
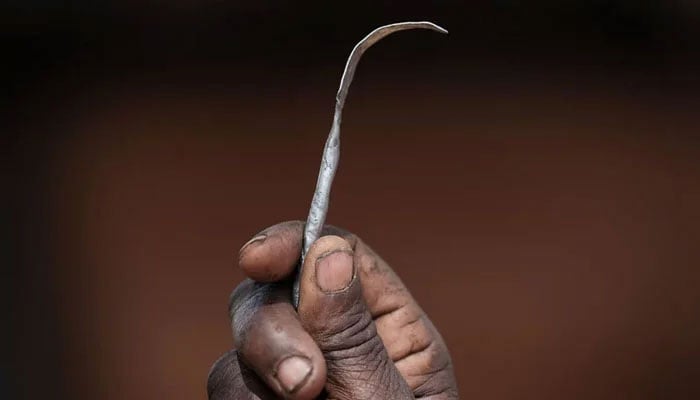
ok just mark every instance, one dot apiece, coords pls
pixel 256 240
pixel 334 271
pixel 292 372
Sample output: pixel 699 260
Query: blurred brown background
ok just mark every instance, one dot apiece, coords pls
pixel 545 153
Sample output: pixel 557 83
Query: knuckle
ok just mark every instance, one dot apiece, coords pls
pixel 224 380
pixel 355 345
pixel 429 372
pixel 246 302
pixel 352 327
pixel 366 364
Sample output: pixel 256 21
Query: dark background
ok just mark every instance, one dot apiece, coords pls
pixel 533 177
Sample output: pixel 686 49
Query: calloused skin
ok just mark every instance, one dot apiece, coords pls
pixel 358 334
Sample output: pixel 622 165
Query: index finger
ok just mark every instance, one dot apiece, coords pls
pixel 274 253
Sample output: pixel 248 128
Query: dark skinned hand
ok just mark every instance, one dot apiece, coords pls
pixel 358 334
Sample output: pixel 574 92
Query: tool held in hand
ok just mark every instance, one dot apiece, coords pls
pixel 331 151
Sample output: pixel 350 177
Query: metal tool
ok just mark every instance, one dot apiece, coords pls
pixel 331 151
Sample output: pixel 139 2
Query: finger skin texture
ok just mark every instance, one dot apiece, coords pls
pixel 334 313
pixel 230 379
pixel 270 255
pixel 332 320
pixel 272 342
pixel 413 342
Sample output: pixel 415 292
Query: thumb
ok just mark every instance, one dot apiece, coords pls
pixel 334 312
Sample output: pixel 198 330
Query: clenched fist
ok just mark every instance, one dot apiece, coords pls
pixel 357 334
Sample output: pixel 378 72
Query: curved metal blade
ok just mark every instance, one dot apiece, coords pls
pixel 331 151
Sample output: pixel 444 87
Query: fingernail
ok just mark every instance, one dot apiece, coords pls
pixel 257 239
pixel 292 372
pixel 334 271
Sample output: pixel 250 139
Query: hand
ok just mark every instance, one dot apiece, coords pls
pixel 358 334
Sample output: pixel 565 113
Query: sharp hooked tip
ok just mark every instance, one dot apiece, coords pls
pixel 433 26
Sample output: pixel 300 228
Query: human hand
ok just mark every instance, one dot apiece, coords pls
pixel 357 334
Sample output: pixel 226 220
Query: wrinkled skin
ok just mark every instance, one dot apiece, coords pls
pixel 358 334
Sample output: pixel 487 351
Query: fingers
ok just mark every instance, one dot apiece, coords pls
pixel 411 340
pixel 273 253
pixel 335 314
pixel 276 254
pixel 229 379
pixel 413 343
pixel 272 342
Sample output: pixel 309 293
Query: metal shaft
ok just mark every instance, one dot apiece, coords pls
pixel 331 151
